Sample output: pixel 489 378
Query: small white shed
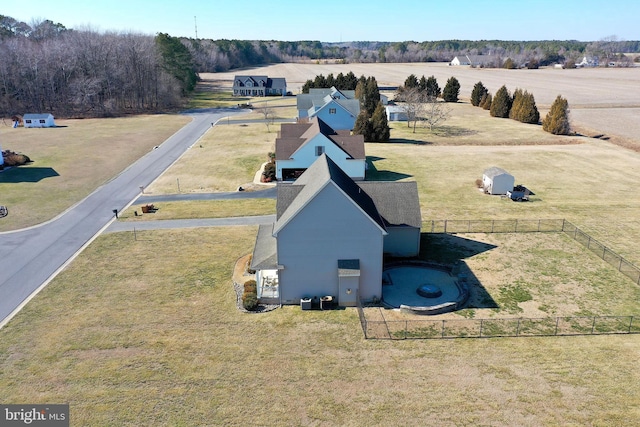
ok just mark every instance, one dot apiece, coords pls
pixel 497 181
pixel 44 120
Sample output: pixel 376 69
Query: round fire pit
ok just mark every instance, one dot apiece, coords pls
pixel 429 290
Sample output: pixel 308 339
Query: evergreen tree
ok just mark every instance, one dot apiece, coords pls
pixel 557 119
pixel 422 84
pixel 363 126
pixel 486 101
pixel 306 86
pixel 371 96
pixel 451 90
pixel 509 64
pixel 380 125
pixel 516 105
pixel 320 81
pixel 501 103
pixel 528 110
pixel 432 88
pixel 177 61
pixel 350 81
pixel 477 93
pixel 411 82
pixel 330 81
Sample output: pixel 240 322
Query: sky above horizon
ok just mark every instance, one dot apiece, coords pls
pixel 345 20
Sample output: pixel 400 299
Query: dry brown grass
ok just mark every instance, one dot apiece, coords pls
pixel 133 334
pixel 602 100
pixel 226 157
pixel 72 160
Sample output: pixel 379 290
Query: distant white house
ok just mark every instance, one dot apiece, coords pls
pixel 473 60
pixel 38 120
pixel 497 181
pixel 588 61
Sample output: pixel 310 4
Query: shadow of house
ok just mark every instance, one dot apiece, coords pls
pixel 452 249
pixel 373 174
pixel 27 174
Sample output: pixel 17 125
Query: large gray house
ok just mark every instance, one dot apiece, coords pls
pixel 330 235
pixel 259 86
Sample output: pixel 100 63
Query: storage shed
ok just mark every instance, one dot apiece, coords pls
pixel 497 181
pixel 396 113
pixel 38 121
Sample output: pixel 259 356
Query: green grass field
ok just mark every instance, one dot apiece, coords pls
pixel 145 330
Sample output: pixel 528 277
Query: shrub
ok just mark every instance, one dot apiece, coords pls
pixel 250 301
pixel 14 159
pixel 250 286
pixel 479 183
pixel 269 173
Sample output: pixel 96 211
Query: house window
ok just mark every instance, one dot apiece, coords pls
pixel 28 121
pixel 332 110
pixel 319 150
pixel 42 121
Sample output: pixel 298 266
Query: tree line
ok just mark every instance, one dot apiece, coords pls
pixel 48 68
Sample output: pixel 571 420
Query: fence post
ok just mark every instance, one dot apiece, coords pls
pixel 481 320
pixel 556 331
pixel 406 326
pixel 518 328
pixel 445 226
pixel 588 242
pixel 492 222
pixel 593 326
pixel 630 322
pixel 515 229
pixel 442 332
pixel 539 226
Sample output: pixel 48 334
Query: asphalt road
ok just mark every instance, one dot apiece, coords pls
pixel 30 258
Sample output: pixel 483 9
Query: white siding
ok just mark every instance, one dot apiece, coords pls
pixel 306 155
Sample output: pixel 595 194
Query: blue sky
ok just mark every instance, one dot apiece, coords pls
pixel 345 20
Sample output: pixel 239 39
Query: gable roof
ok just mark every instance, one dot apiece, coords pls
pixel 351 106
pixel 397 202
pixel 260 81
pixel 293 136
pixel 37 116
pixel 321 173
pixel 494 171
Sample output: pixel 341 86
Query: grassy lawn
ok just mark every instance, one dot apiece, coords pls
pixel 72 160
pixel 201 209
pixel 146 332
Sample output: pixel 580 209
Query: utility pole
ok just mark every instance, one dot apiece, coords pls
pixel 195 22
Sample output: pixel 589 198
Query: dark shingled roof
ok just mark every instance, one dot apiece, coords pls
pixel 397 202
pixel 319 174
pixel 293 135
pixel 265 256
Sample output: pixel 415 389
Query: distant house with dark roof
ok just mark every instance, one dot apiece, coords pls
pixel 330 235
pixel 475 60
pixel 245 85
pixel 298 145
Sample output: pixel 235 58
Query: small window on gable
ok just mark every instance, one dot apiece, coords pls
pixel 319 150
pixel 332 110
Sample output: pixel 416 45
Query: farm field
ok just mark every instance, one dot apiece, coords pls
pixel 602 100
